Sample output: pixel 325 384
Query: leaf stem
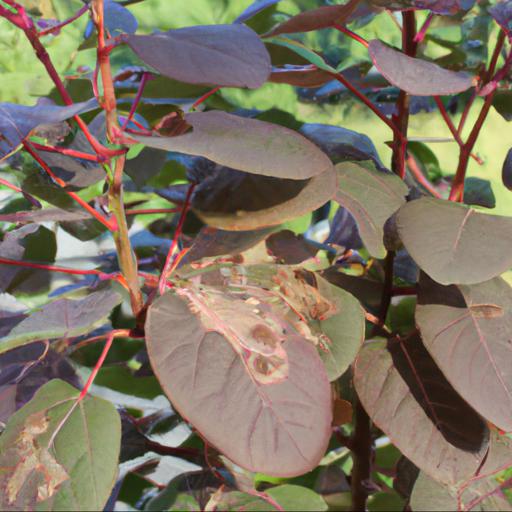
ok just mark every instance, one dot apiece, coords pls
pixel 162 284
pixel 69 152
pixel 143 81
pixel 353 35
pixel 204 97
pixel 110 224
pixel 419 176
pixel 57 27
pixel 149 211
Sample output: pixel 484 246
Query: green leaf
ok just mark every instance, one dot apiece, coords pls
pixel 46 466
pixel 288 497
pixel 345 329
pixel 304 52
pixel 371 196
pixel 62 318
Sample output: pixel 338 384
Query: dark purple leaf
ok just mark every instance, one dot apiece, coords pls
pixel 119 19
pixel 344 232
pixel 300 76
pixel 341 144
pixel 17 121
pixel 450 242
pixel 256 7
pixel 479 192
pixel 316 19
pixel 371 196
pixel 236 142
pixel 502 102
pixel 211 242
pixel 288 248
pixel 44 215
pixel 417 76
pixel 225 55
pixel 264 422
pixel 468 336
pixel 62 318
pixel 145 165
pixel 408 398
pixel 436 6
pixel 502 13
pixel 506 170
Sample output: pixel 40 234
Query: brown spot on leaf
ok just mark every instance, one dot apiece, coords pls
pixel 486 310
pixel 264 335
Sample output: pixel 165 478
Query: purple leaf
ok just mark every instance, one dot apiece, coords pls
pixel 408 398
pixel 417 76
pixel 288 248
pixel 236 142
pixel 469 339
pixel 225 55
pixel 502 13
pixel 62 318
pixel 119 19
pixel 300 76
pixel 450 242
pixel 263 421
pixel 17 121
pixel 371 196
pixel 316 19
pixel 256 7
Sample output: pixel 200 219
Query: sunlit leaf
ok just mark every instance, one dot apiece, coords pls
pixel 226 55
pixel 371 196
pixel 417 76
pixel 450 242
pixel 236 142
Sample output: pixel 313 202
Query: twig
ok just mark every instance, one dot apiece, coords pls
pixel 143 81
pixel 422 32
pixel 57 27
pixel 110 224
pixel 149 211
pixel 420 177
pixel 204 97
pixel 162 284
pixel 349 33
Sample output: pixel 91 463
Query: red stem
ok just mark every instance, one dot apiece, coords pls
pixel 366 101
pixel 420 177
pixel 140 91
pixel 162 284
pixel 452 128
pixel 70 152
pixel 10 185
pixel 56 28
pixel 353 35
pixel 152 210
pixel 53 268
pixel 109 224
pixel 204 97
pixel 418 38
pixel 29 197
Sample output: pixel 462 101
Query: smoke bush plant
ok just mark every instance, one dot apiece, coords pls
pixel 369 367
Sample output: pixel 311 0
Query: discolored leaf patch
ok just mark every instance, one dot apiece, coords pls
pixel 417 76
pixel 229 357
pixel 42 470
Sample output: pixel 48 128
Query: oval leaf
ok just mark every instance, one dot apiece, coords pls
pixel 371 196
pixel 408 398
pixel 450 242
pixel 75 472
pixel 236 142
pixel 470 341
pixel 62 318
pixel 225 55
pixel 279 425
pixel 316 19
pixel 417 76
